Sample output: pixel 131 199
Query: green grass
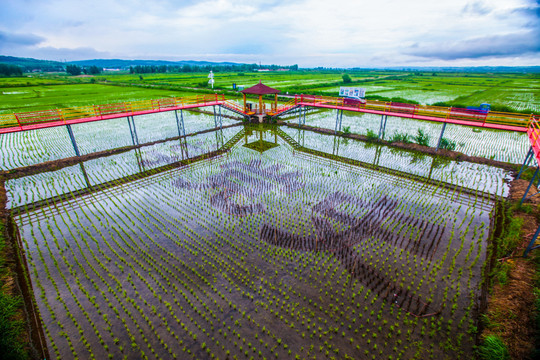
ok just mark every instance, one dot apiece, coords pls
pixel 447 144
pixel 372 135
pixel 10 327
pixel 422 138
pixel 512 234
pixel 493 349
pixel 399 137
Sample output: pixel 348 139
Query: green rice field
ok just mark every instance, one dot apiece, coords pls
pixel 512 92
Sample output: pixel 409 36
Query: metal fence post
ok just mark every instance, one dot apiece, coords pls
pixel 529 187
pixel 73 142
pixel 384 127
pixel 339 115
pixel 220 118
pixel 441 136
pixel 180 123
pixel 526 162
pixel 531 243
pixel 133 131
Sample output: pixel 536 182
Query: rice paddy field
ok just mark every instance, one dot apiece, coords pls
pixel 258 241
pixel 510 91
pixel 254 241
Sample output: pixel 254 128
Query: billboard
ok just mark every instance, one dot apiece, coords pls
pixel 353 92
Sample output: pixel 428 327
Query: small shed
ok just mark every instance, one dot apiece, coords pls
pixel 260 89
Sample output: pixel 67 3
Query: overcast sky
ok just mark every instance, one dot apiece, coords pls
pixel 310 33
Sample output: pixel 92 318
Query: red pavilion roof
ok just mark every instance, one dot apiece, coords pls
pixel 260 89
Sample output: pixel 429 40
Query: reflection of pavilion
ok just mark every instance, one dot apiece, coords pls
pixel 259 89
pixel 260 145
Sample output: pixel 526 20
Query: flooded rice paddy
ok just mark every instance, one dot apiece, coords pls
pixel 284 246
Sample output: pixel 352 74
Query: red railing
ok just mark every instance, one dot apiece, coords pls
pixel 283 107
pixel 422 112
pixel 512 121
pixel 233 105
pixel 104 111
pixel 533 131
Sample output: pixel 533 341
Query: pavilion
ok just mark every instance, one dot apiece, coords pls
pixel 260 89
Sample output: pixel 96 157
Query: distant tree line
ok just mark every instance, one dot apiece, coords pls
pixel 10 70
pixel 152 69
pixel 75 70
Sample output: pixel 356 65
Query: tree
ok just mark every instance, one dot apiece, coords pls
pixel 9 70
pixel 94 70
pixel 73 70
pixel 346 79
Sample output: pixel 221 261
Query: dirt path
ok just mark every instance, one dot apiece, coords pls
pixel 510 312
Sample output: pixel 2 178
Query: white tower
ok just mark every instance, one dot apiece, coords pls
pixel 211 77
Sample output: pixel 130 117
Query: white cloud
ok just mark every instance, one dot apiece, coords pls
pixel 310 32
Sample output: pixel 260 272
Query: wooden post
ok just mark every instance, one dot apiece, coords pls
pixel 260 104
pixel 245 110
pixel 275 103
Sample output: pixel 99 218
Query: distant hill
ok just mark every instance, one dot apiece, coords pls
pixel 124 64
pixel 470 69
pixel 29 64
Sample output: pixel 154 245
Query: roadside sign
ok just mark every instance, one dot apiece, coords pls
pixel 353 92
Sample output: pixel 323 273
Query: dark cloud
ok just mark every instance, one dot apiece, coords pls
pixel 482 47
pixel 12 39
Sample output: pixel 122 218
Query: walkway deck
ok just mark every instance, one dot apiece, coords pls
pixel 16 122
pixel 474 123
pixel 458 116
pixel 10 123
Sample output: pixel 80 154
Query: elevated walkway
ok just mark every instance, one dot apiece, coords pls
pixel 458 116
pixel 15 122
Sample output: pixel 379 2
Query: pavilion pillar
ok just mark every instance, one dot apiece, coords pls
pixel 244 102
pixel 275 102
pixel 260 104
